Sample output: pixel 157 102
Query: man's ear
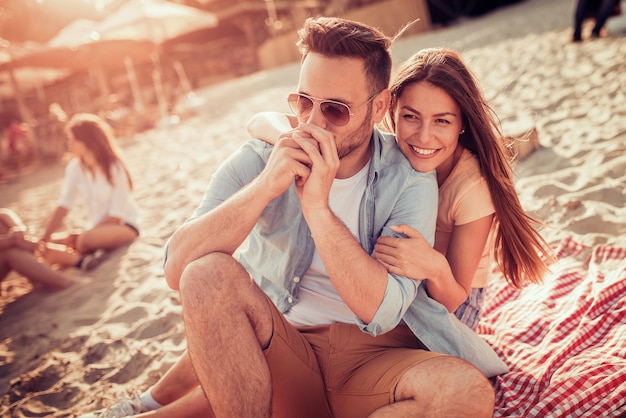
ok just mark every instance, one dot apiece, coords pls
pixel 380 105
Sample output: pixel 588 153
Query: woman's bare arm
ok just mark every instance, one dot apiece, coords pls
pixel 448 278
pixel 267 126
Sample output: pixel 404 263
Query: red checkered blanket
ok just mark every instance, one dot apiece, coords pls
pixel 563 340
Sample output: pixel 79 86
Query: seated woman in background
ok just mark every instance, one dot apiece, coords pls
pixel 99 176
pixel 18 253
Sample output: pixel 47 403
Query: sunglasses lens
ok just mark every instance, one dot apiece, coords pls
pixel 301 106
pixel 335 113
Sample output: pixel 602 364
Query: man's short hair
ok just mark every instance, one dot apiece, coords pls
pixel 335 37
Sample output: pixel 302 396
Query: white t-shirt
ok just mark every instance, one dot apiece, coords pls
pixel 100 197
pixel 318 300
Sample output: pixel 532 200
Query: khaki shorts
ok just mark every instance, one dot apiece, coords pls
pixel 337 370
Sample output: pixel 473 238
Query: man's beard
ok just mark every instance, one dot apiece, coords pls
pixel 357 137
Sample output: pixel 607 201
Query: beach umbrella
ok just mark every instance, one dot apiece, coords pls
pixel 76 33
pixel 82 35
pixel 156 21
pixel 94 56
pixel 153 20
pixel 132 33
pixel 107 53
pixel 13 79
pixel 33 68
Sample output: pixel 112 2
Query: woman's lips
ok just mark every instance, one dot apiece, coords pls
pixel 423 152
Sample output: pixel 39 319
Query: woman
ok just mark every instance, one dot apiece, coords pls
pixel 443 122
pixel 18 253
pixel 99 176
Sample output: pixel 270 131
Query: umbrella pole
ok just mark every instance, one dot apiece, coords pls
pixel 134 85
pixel 158 87
pixel 19 99
pixel 25 114
pixel 102 83
pixel 182 77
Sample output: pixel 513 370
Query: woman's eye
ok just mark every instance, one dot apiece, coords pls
pixel 444 121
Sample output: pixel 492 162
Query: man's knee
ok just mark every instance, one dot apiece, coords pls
pixel 216 275
pixel 449 385
pixel 475 388
pixel 218 286
pixel 204 273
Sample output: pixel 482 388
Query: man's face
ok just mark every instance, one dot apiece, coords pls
pixel 342 80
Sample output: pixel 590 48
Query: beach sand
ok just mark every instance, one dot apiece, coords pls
pixel 70 352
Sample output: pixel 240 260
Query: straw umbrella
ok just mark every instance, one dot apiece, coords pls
pixel 155 21
pixel 133 32
pixel 96 56
pixel 82 35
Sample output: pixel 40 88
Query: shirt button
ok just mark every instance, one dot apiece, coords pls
pixel 296 279
pixel 290 300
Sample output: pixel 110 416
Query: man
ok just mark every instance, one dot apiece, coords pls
pixel 306 323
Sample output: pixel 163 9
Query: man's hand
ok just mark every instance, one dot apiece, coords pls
pixel 288 162
pixel 321 150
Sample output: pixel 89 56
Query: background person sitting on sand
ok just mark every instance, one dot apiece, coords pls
pixel 99 176
pixel 17 252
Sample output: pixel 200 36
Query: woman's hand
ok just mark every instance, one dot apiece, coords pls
pixel 411 257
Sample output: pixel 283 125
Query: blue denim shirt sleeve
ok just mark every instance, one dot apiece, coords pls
pixel 417 207
pixel 239 169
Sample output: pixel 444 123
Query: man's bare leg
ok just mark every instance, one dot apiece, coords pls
pixel 441 387
pixel 228 322
pixel 177 382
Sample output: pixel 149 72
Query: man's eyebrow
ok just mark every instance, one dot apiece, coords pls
pixel 342 101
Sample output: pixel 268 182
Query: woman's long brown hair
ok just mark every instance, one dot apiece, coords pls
pixel 98 137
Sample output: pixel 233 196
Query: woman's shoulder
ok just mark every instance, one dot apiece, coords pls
pixel 73 166
pixel 73 162
pixel 465 172
pixel 468 164
pixel 466 192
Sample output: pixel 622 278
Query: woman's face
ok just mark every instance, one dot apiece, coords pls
pixel 428 124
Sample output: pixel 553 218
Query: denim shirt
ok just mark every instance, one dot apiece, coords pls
pixel 279 249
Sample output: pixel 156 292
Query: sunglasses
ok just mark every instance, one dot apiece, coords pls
pixel 333 111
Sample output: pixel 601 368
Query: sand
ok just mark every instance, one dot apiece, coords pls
pixel 69 352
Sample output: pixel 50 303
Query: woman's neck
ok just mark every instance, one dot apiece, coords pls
pixel 444 170
pixel 90 163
